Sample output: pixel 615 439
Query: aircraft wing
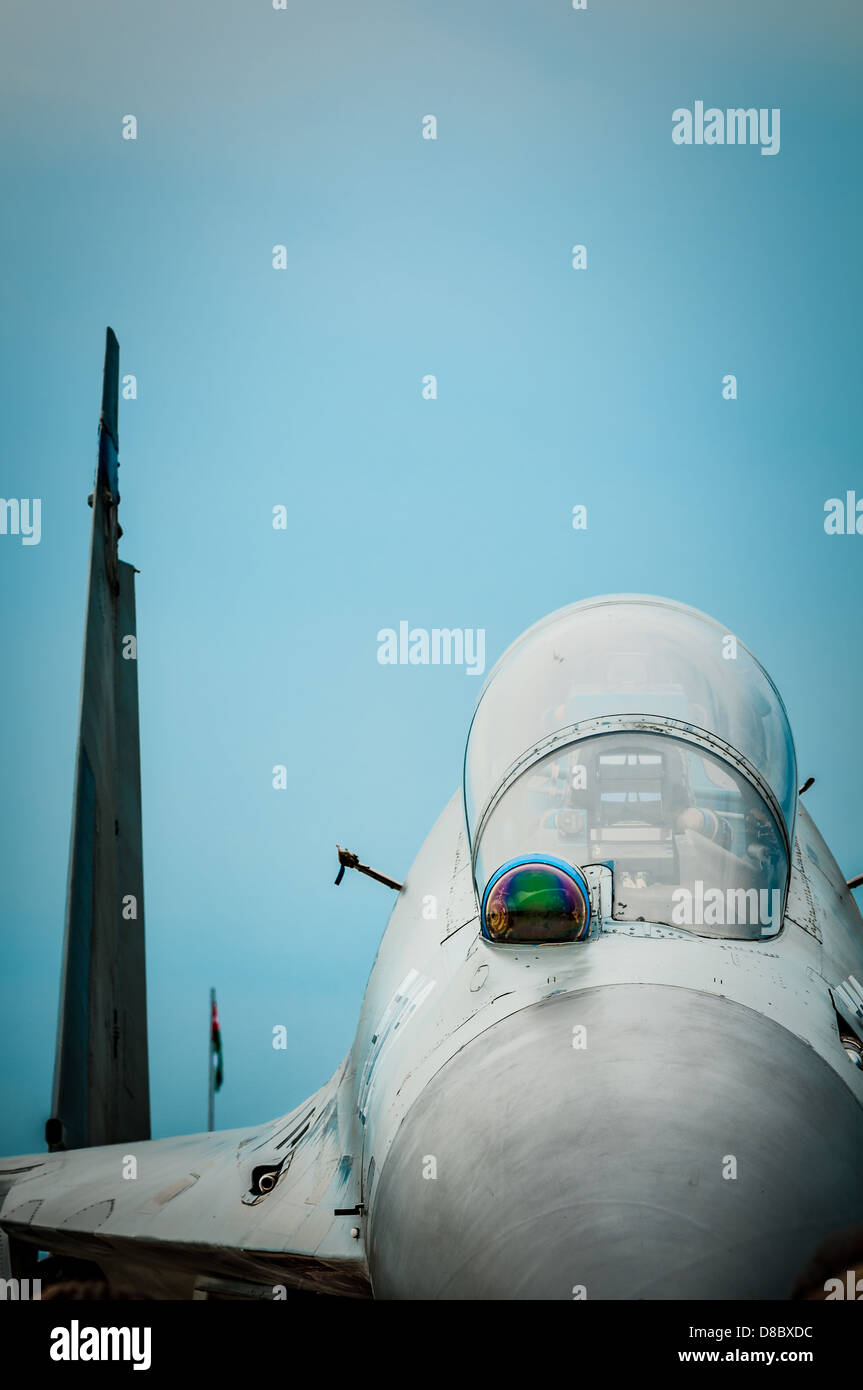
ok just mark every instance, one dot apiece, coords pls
pixel 256 1205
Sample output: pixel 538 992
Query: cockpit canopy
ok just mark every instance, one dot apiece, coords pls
pixel 639 732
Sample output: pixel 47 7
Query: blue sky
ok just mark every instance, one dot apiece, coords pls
pixel 302 387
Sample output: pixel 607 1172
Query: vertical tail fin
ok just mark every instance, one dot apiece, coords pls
pixel 101 1081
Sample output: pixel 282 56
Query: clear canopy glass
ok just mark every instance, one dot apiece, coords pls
pixel 645 664
pixel 627 654
pixel 692 842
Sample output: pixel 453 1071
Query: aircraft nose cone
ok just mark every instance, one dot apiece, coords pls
pixel 692 1148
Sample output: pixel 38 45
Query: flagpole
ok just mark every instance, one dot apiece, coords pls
pixel 211 1092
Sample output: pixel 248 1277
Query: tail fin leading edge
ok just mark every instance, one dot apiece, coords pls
pixel 101 1081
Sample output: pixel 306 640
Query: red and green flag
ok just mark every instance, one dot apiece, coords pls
pixel 216 1044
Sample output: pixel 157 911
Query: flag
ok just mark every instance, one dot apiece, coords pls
pixel 216 1044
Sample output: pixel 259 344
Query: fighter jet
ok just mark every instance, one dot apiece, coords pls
pixel 611 1044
